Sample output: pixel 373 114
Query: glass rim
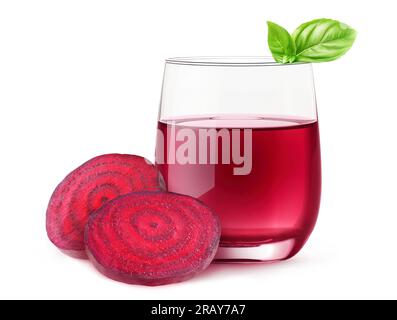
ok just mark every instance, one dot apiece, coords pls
pixel 238 61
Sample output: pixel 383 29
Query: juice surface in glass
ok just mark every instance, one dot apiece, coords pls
pixel 261 174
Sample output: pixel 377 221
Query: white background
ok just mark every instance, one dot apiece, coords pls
pixel 81 78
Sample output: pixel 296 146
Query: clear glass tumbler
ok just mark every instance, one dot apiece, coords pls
pixel 241 135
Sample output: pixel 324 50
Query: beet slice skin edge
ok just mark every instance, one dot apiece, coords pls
pixel 152 238
pixel 87 188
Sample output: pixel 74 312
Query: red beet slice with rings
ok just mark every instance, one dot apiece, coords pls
pixel 87 188
pixel 152 238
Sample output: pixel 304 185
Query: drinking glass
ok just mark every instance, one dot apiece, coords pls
pixel 241 135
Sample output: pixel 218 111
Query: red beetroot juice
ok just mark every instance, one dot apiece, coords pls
pixel 276 200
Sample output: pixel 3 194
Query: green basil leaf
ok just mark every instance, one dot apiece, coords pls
pixel 322 40
pixel 280 43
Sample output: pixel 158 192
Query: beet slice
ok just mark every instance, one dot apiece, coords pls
pixel 152 238
pixel 87 188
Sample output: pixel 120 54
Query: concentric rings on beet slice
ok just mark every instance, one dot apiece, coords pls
pixel 152 238
pixel 87 188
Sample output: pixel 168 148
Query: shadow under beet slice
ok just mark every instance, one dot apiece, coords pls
pixel 87 188
pixel 152 238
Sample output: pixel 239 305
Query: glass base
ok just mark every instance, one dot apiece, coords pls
pixel 265 252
